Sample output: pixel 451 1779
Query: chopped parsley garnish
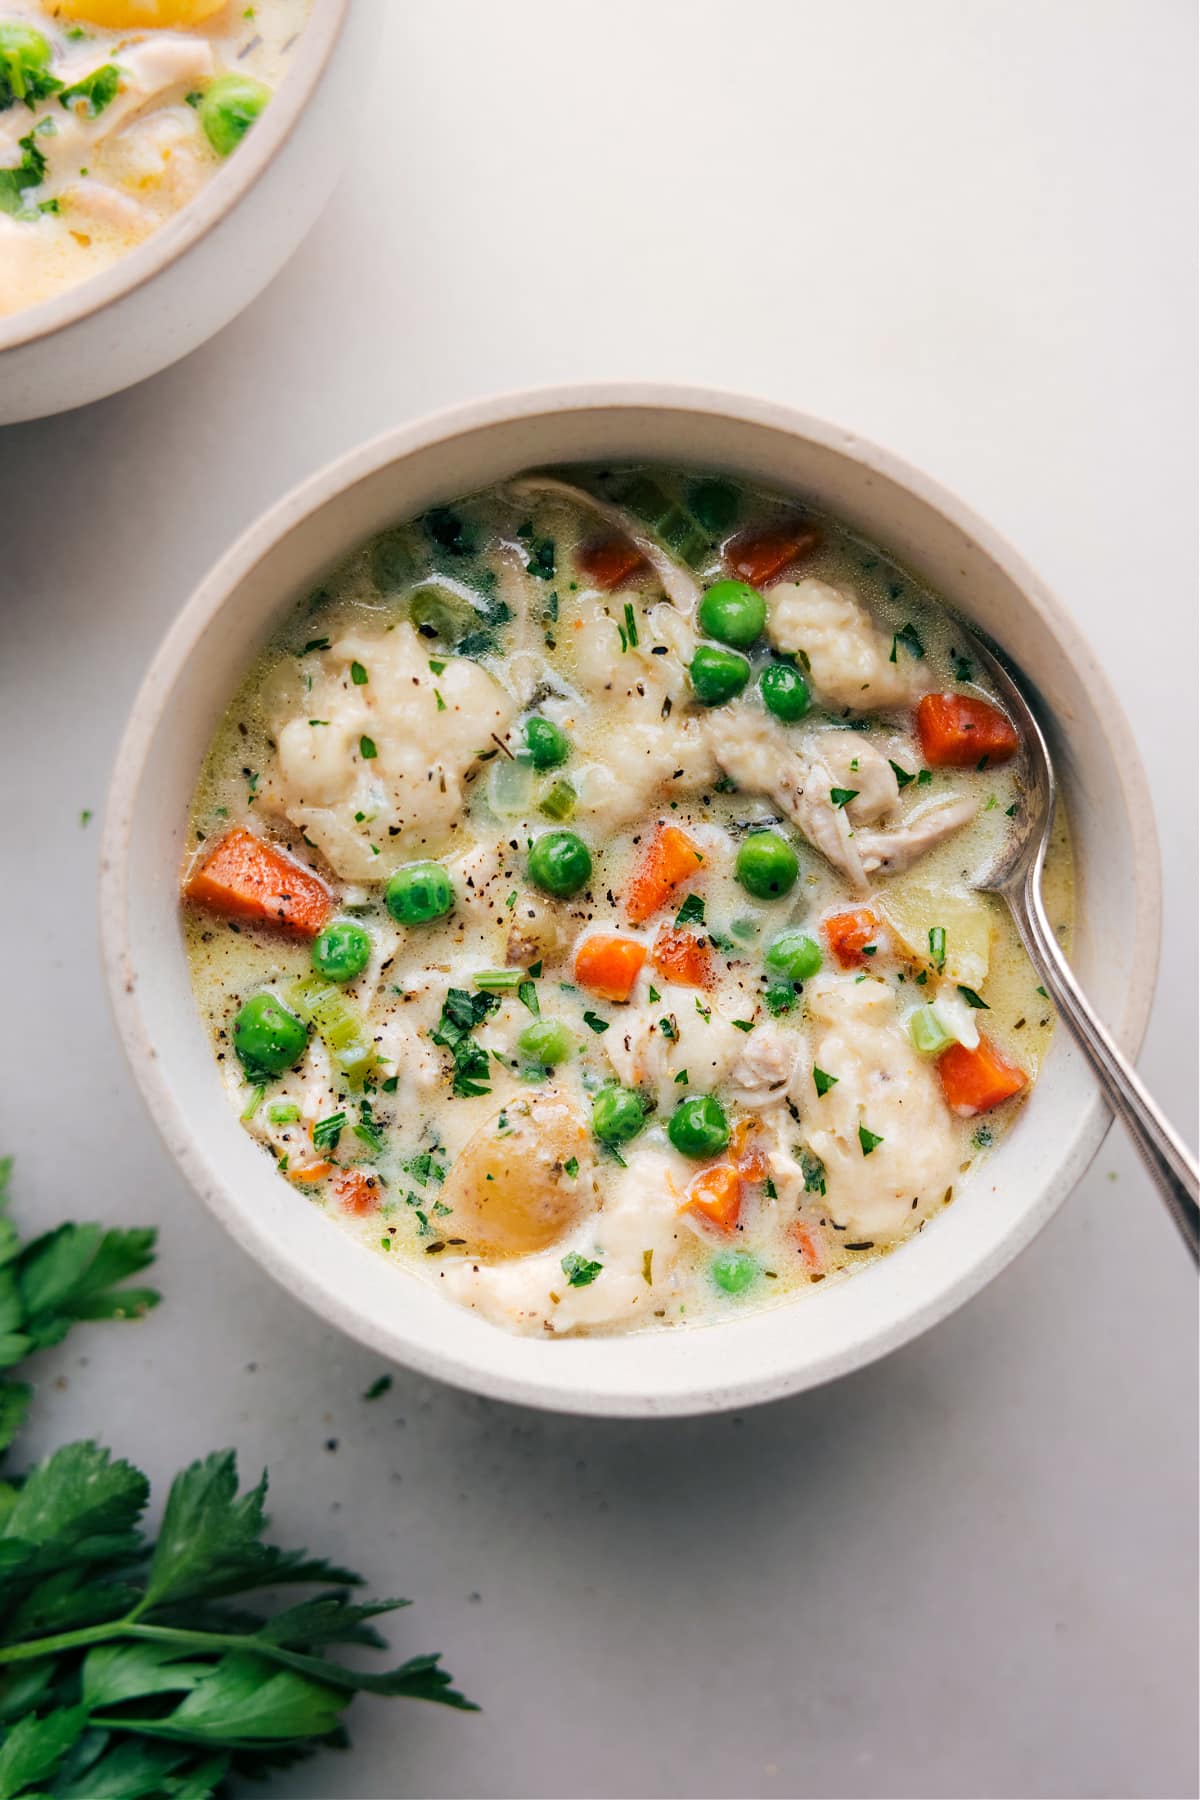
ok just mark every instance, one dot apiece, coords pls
pixel 367 1130
pixel 578 1270
pixel 681 1080
pixel 823 1081
pixel 691 912
pixel 669 1028
pixel 326 1132
pixel 28 173
pixel 1041 990
pixel 704 1011
pixel 843 796
pixel 358 674
pixel 381 1383
pixel 780 997
pixel 902 775
pixel 868 1140
pixel 595 1023
pixel 907 635
pixel 937 947
pixel 973 999
pixel 571 1167
pixel 461 1013
pixel 962 667
pixel 813 1170
pixel 366 749
pixel 527 995
pixel 654 996
pixel 631 631
pixel 742 1024
pixel 321 643
pixel 541 559
pixel 89 97
pixel 924 777
pixel 1010 812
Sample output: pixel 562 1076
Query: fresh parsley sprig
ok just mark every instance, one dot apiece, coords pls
pixel 135 1667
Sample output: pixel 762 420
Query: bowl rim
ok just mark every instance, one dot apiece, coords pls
pixel 228 187
pixel 213 593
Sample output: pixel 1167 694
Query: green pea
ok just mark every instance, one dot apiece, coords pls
pixel 24 65
pixel 717 675
pixel 733 612
pixel 734 1271
pixel 228 108
pixel 617 1115
pixel 419 892
pixel 267 1038
pixel 341 951
pixel 784 692
pixel 794 955
pixel 546 1041
pixel 560 862
pixel 698 1127
pixel 766 865
pixel 548 744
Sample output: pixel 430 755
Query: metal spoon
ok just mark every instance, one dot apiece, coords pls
pixel 1017 877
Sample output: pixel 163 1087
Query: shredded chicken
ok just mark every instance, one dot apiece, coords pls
pixel 802 776
pixel 678 582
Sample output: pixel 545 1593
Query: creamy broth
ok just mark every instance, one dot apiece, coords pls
pixel 113 115
pixel 666 1004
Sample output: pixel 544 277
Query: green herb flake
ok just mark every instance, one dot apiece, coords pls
pixel 381 1383
pixel 358 674
pixel 580 1273
pixel 89 96
pixel 691 912
pixel 823 1081
pixel 843 796
pixel 868 1140
pixel 902 775
pixel 326 1132
pixel 907 635
pixel 937 947
pixel 973 999
pixel 595 1023
pixel 571 1167
pixel 366 749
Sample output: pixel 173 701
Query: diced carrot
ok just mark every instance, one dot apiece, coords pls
pixel 608 964
pixel 849 934
pixel 243 877
pixel 357 1191
pixel 314 1171
pixel 749 1159
pixel 609 562
pixel 669 858
pixel 716 1194
pixel 958 731
pixel 681 956
pixel 974 1081
pixel 761 557
pixel 809 1245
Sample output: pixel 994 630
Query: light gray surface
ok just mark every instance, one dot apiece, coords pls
pixel 964 231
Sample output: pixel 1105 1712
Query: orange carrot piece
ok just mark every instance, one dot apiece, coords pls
pixel 761 557
pixel 958 731
pixel 315 1171
pixel 243 877
pixel 357 1191
pixel 749 1159
pixel 849 933
pixel 809 1246
pixel 607 964
pixel 682 957
pixel 669 858
pixel 716 1195
pixel 609 562
pixel 974 1081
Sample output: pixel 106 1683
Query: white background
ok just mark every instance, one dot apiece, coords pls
pixel 963 228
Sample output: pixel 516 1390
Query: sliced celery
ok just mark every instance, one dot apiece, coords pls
pixel 558 802
pixel 500 981
pixel 340 1026
pixel 927 1032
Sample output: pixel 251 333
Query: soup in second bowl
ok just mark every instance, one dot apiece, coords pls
pixel 579 902
pixel 113 115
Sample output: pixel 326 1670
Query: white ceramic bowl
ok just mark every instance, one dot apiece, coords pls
pixel 209 261
pixel 286 554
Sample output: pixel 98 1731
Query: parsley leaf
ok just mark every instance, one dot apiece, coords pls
pixel 973 999
pixel 823 1082
pixel 461 1013
pixel 579 1271
pixel 89 96
pixel 907 635
pixel 691 912
pixel 843 796
pixel 595 1022
pixel 868 1140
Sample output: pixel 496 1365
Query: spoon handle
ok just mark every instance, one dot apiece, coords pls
pixel 1169 1162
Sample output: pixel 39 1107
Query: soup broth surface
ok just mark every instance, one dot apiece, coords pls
pixel 633 968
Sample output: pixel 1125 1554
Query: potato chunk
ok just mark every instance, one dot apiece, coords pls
pixel 509 1190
